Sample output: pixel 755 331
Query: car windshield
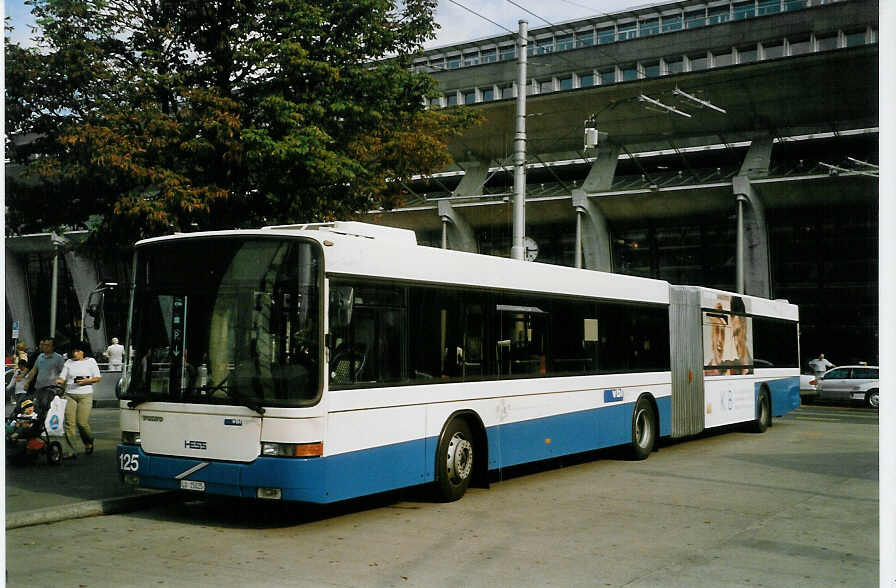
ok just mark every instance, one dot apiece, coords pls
pixel 229 320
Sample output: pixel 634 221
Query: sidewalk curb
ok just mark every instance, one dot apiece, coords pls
pixel 88 508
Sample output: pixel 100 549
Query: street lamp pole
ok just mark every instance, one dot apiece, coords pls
pixel 518 249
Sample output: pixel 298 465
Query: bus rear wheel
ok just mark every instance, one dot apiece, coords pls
pixel 454 461
pixel 763 413
pixel 643 429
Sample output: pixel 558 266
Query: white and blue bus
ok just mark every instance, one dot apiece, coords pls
pixel 319 363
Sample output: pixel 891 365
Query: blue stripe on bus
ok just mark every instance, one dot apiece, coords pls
pixel 358 473
pixel 785 394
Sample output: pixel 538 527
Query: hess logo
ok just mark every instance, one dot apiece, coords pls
pixel 195 445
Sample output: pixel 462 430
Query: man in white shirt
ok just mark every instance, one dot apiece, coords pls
pixel 820 365
pixel 115 354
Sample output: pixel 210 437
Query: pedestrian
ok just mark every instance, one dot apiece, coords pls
pixel 42 377
pixel 115 354
pixel 17 382
pixel 20 352
pixel 79 374
pixel 820 365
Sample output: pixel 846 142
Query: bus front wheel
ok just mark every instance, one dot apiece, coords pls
pixel 454 461
pixel 644 429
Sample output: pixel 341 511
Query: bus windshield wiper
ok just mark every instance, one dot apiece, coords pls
pixel 233 394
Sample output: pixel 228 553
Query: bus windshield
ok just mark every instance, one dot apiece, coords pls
pixel 226 320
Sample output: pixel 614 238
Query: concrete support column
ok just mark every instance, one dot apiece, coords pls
pixel 456 231
pixel 17 299
pixel 84 280
pixel 592 234
pixel 475 173
pixel 753 266
pixel 600 177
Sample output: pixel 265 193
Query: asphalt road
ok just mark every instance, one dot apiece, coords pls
pixel 796 506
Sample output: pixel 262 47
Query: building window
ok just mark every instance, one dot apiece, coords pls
pixel 698 61
pixel 530 88
pixel 585 39
pixel 629 73
pixel 649 27
pixel 545 46
pixel 489 55
pixel 722 57
pixel 627 31
pixel 508 52
pixel 827 42
pixel 564 43
pixel 743 10
pixel 564 83
pixel 530 49
pixel 586 80
pixel 800 46
pixel 453 61
pixel 469 96
pixel 674 65
pixel 718 15
pixel 769 6
pixel 794 4
pixel 451 99
pixel 746 54
pixel 607 35
pixel 855 39
pixel 507 91
pixel 436 102
pixel 545 86
pixel 421 66
pixel 471 59
pixel 671 23
pixel 773 50
pixel 437 64
pixel 651 69
pixel 694 19
pixel 608 76
pixel 488 94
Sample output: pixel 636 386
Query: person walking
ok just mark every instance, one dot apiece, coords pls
pixel 42 376
pixel 115 354
pixel 79 374
pixel 820 365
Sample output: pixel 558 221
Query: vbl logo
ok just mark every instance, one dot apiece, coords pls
pixel 195 445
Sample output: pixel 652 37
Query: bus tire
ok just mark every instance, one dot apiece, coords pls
pixel 763 413
pixel 872 399
pixel 644 427
pixel 454 461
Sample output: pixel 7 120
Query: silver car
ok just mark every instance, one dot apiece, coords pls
pixel 851 382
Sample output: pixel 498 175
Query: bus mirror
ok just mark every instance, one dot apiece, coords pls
pixel 341 301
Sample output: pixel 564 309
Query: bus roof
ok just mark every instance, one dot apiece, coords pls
pixel 361 249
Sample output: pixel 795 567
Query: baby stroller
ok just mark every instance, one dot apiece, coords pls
pixel 26 435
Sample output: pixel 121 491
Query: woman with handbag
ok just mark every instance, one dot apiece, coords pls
pixel 79 374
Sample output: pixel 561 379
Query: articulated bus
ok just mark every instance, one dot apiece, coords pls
pixel 319 363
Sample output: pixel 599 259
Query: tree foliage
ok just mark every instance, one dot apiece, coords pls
pixel 165 115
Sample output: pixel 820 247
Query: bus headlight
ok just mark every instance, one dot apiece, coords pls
pixel 130 437
pixel 270 449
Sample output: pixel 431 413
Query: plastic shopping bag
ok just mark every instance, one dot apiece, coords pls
pixel 56 417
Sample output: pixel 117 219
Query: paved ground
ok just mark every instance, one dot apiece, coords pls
pixel 40 492
pixel 796 506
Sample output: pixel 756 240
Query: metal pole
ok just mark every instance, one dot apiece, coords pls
pixel 578 238
pixel 444 232
pixel 739 253
pixel 54 286
pixel 518 250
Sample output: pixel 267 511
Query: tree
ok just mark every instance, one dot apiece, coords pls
pixel 163 116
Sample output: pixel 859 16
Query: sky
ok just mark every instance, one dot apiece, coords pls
pixel 457 24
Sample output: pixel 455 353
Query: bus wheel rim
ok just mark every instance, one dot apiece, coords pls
pixel 460 458
pixel 642 428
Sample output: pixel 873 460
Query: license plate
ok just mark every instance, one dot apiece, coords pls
pixel 192 485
